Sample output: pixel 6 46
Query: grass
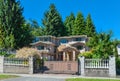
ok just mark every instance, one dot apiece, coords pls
pixel 7 76
pixel 83 79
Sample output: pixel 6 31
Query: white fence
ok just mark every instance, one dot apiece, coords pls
pixel 97 67
pixel 96 63
pixel 16 65
pixel 16 61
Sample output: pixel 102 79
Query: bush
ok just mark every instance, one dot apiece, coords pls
pixel 27 52
pixel 87 54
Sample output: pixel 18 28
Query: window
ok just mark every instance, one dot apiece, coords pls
pixel 45 39
pixel 63 41
pixel 78 39
pixel 40 47
pixel 79 47
pixel 36 39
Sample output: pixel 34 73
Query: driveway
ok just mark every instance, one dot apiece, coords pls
pixel 34 79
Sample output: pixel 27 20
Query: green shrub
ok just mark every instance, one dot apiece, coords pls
pixel 87 54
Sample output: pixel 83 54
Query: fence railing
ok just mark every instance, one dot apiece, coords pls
pixel 96 63
pixel 16 61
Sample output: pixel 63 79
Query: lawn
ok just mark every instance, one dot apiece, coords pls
pixel 83 79
pixel 7 76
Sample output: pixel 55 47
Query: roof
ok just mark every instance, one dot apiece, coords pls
pixel 72 36
pixel 41 42
pixel 66 48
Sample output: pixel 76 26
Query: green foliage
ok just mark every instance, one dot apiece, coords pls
pixel 89 27
pixel 36 30
pixel 118 63
pixel 89 79
pixel 52 22
pixel 87 54
pixel 69 22
pixel 13 31
pixel 79 25
pixel 3 53
pixel 101 45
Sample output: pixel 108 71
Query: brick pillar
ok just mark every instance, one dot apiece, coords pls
pixel 82 65
pixel 112 66
pixel 31 68
pixel 1 64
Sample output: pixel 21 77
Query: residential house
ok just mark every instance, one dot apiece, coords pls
pixel 64 48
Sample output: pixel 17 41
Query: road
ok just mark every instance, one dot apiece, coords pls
pixel 34 79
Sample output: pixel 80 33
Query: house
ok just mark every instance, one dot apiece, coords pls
pixel 64 48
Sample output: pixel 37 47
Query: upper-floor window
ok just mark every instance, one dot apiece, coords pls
pixel 78 39
pixel 46 39
pixel 36 39
pixel 40 47
pixel 63 41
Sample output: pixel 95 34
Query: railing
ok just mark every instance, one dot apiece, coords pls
pixel 16 61
pixel 96 63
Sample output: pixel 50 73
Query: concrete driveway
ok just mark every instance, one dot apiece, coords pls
pixel 34 79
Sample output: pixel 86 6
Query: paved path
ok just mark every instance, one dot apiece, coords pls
pixel 33 79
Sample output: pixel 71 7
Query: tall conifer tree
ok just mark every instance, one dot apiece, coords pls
pixel 89 28
pixel 69 22
pixel 13 31
pixel 52 22
pixel 79 25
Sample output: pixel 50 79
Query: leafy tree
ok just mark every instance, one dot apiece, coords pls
pixel 13 31
pixel 53 22
pixel 101 45
pixel 89 27
pixel 79 25
pixel 69 22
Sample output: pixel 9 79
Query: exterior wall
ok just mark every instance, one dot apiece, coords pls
pixel 16 69
pixel 99 72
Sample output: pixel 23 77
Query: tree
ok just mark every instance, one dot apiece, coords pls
pixel 101 45
pixel 69 22
pixel 89 27
pixel 13 31
pixel 79 25
pixel 36 30
pixel 53 22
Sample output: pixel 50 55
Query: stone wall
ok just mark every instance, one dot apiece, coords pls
pixel 98 72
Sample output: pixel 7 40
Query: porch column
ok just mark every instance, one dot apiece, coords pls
pixel 64 56
pixel 73 55
pixel 68 57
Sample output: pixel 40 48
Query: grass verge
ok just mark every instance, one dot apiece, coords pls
pixel 7 76
pixel 84 79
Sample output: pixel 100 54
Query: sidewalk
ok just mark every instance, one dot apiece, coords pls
pixel 59 76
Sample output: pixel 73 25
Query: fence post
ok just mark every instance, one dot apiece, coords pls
pixel 1 64
pixel 112 66
pixel 82 65
pixel 31 65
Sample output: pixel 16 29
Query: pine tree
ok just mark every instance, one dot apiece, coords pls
pixel 13 32
pixel 53 22
pixel 69 22
pixel 89 28
pixel 79 25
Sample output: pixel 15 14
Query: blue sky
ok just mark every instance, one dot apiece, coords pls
pixel 105 13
